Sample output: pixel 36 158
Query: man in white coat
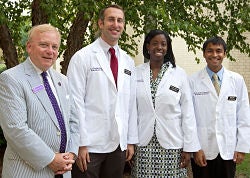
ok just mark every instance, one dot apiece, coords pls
pixel 223 119
pixel 38 145
pixel 106 102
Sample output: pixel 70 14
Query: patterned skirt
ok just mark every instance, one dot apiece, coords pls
pixel 154 161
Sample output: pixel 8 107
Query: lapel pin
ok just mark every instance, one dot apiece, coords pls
pixel 59 83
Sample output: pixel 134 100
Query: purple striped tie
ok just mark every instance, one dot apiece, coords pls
pixel 57 112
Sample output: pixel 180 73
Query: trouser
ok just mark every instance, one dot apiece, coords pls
pixel 103 165
pixel 215 168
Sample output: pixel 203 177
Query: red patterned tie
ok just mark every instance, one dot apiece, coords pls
pixel 114 64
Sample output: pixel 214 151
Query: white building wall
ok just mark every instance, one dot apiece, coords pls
pixel 242 64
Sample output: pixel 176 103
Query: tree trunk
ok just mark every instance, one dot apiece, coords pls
pixel 38 14
pixel 2 150
pixel 150 23
pixel 74 40
pixel 8 47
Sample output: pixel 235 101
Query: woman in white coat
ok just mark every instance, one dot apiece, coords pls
pixel 166 122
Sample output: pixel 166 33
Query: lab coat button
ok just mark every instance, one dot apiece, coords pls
pixel 58 133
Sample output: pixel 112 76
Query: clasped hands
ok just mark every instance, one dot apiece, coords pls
pixel 62 162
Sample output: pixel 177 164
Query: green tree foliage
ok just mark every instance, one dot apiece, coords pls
pixel 193 20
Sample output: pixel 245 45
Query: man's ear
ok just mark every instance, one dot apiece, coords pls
pixel 100 23
pixel 28 45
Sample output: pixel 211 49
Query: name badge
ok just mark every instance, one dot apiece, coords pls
pixel 126 71
pixel 140 80
pixel 96 69
pixel 173 88
pixel 231 98
pixel 201 93
pixel 37 88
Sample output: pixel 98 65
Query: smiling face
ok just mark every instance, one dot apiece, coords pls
pixel 43 48
pixel 214 55
pixel 157 48
pixel 112 25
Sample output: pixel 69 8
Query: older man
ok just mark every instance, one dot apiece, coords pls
pixel 37 113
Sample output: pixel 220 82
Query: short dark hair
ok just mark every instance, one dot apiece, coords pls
pixel 101 14
pixel 169 57
pixel 216 40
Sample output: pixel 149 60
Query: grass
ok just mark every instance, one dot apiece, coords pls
pixel 244 167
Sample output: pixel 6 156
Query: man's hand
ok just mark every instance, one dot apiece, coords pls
pixel 200 158
pixel 130 152
pixel 83 158
pixel 61 163
pixel 238 157
pixel 185 159
pixel 71 156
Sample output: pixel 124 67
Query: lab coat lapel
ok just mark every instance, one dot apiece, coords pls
pixel 205 79
pixel 227 78
pixel 166 77
pixel 146 78
pixel 121 67
pixel 106 66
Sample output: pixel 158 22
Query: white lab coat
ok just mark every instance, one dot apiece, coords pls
pixel 173 112
pixel 223 122
pixel 104 111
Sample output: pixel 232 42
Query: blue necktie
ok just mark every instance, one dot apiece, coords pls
pixel 57 112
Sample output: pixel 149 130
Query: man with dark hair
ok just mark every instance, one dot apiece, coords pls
pixel 222 114
pixel 102 80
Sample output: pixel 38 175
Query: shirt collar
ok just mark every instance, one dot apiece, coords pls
pixel 219 73
pixel 105 46
pixel 39 71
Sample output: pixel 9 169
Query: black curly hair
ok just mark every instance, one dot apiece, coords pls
pixel 169 57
